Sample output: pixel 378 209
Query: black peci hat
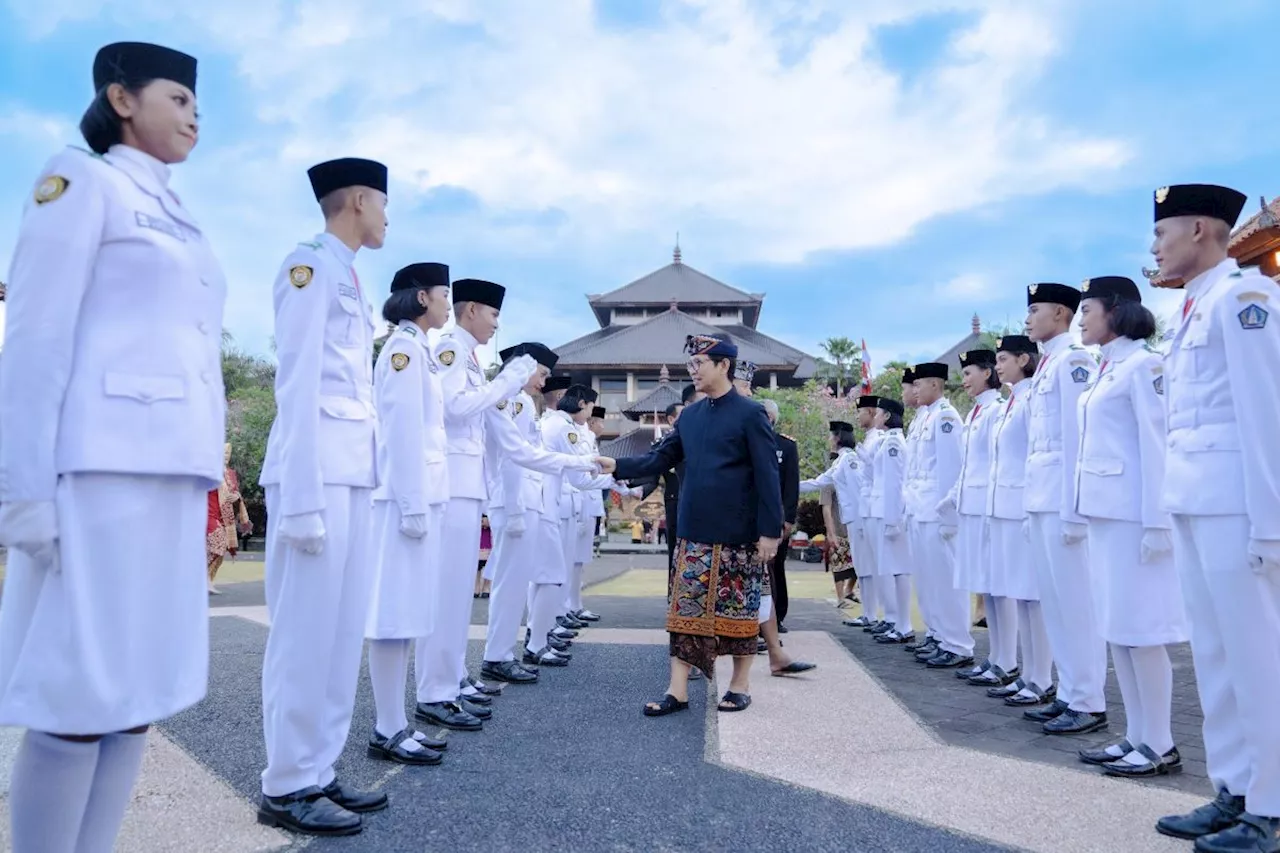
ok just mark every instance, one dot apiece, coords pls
pixel 1115 287
pixel 840 426
pixel 893 407
pixel 978 358
pixel 420 275
pixel 540 353
pixel 1048 292
pixel 932 370
pixel 334 175
pixel 868 401
pixel 1199 200
pixel 1016 344
pixel 134 62
pixel 478 290
pixel 556 383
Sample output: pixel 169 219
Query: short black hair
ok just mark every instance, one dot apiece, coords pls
pixel 1129 319
pixel 672 409
pixel 717 359
pixel 894 421
pixel 993 379
pixel 101 126
pixel 687 394
pixel 844 438
pixel 403 305
pixel 570 404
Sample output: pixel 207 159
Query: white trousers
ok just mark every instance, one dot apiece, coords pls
pixel 318 604
pixel 1234 617
pixel 547 598
pixel 512 574
pixel 573 589
pixel 441 657
pixel 1067 599
pixel 1033 639
pixel 922 575
pixel 950 605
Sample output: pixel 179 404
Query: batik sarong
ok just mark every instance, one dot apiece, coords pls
pixel 841 562
pixel 713 603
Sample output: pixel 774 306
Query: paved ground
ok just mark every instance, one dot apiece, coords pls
pixel 868 753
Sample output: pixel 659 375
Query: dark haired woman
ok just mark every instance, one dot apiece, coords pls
pixel 888 534
pixel 842 476
pixel 1013 577
pixel 408 505
pixel 112 411
pixel 1120 473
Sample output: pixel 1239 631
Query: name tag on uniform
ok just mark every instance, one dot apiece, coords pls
pixel 155 223
pixel 348 291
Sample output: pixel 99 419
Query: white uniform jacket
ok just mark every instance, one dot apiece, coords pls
pixel 593 499
pixel 866 451
pixel 844 476
pixel 325 428
pixel 1223 401
pixel 910 499
pixel 970 490
pixel 890 466
pixel 409 400
pixel 937 458
pixel 1120 472
pixel 1009 455
pixel 478 430
pixel 562 435
pixel 112 361
pixel 518 489
pixel 1053 432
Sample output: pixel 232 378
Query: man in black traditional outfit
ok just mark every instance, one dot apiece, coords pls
pixel 729 525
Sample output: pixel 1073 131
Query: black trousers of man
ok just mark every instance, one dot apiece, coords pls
pixel 778 578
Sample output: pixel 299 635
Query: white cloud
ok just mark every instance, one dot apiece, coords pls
pixel 693 125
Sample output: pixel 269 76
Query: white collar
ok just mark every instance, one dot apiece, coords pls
pixel 138 157
pixel 341 250
pixel 1120 348
pixel 1057 344
pixel 1206 279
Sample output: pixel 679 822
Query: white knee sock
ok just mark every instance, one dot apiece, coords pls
pixel 887 601
pixel 870 602
pixel 1122 660
pixel 119 763
pixel 388 669
pixel 49 792
pixel 573 597
pixel 902 592
pixel 1154 676
pixel 1037 655
pixel 547 602
pixel 1002 625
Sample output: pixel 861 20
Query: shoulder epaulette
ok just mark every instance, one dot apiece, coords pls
pixel 94 154
pixel 311 244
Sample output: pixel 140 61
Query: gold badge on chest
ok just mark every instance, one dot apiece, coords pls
pixel 519 406
pixel 573 438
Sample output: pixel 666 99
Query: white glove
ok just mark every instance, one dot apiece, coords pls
pixel 946 505
pixel 637 492
pixel 1264 556
pixel 414 526
pixel 892 531
pixel 1026 529
pixel 1155 544
pixel 304 531
pixel 948 531
pixel 526 366
pixel 32 528
pixel 515 526
pixel 1073 532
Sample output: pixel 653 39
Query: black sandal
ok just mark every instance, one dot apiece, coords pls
pixel 668 704
pixel 736 701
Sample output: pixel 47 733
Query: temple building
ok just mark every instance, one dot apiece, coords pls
pixel 635 360
pixel 1254 243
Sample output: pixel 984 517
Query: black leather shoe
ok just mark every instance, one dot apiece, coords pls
pixel 393 749
pixel 860 622
pixel 353 800
pixel 447 715
pixel 475 697
pixel 891 637
pixel 928 651
pixel 1076 723
pixel 558 645
pixel 871 625
pixel 508 671
pixel 486 689
pixel 882 628
pixel 570 623
pixel 1010 689
pixel 1106 754
pixel 971 671
pixel 783 629
pixel 994 676
pixel 1155 765
pixel 948 660
pixel 918 647
pixel 1212 817
pixel 1252 833
pixel 586 616
pixel 439 744
pixel 1045 713
pixel 546 657
pixel 309 812
pixel 480 712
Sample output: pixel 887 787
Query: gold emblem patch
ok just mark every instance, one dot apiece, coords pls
pixel 300 276
pixel 446 357
pixel 1084 288
pixel 573 438
pixel 1032 289
pixel 502 404
pixel 51 189
pixel 1161 195
pixel 519 406
pixel 999 342
pixel 399 361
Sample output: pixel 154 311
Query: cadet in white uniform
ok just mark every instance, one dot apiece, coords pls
pixel 842 475
pixel 319 475
pixel 112 416
pixel 937 467
pixel 886 529
pixel 591 503
pixel 1223 492
pixel 1013 577
pixel 1056 531
pixel 1119 476
pixel 863 548
pixel 968 500
pixel 408 505
pixel 928 644
pixel 478 431
pixel 515 511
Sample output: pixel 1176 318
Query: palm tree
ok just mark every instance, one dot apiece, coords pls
pixel 843 352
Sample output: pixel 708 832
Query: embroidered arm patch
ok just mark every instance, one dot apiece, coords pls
pixel 1254 316
pixel 948 426
pixel 893 451
pixel 399 361
pixel 51 189
pixel 300 276
pixel 1080 375
pixel 1158 384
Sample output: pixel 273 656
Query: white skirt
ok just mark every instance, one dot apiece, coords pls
pixel 401 604
pixel 1012 573
pixel 893 556
pixel 1135 603
pixel 115 634
pixel 585 540
pixel 863 548
pixel 556 539
pixel 973 556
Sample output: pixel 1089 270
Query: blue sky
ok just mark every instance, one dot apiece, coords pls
pixel 881 169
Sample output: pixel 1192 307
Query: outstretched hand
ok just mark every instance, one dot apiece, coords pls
pixel 607 465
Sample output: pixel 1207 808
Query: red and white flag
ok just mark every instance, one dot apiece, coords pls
pixel 866 368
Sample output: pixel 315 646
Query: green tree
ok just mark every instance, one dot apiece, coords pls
pixel 801 416
pixel 842 353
